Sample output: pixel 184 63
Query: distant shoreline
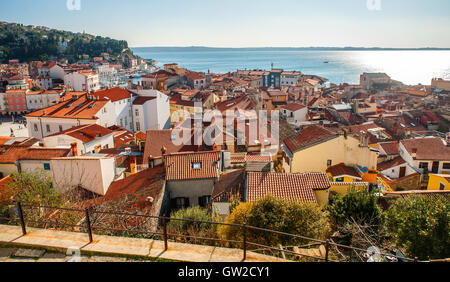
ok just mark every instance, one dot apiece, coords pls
pixel 200 49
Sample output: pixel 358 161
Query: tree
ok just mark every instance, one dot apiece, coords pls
pixel 298 218
pixel 36 192
pixel 360 206
pixel 421 225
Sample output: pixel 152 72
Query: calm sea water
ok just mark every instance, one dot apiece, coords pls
pixel 409 67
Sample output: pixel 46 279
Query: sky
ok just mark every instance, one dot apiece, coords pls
pixel 246 23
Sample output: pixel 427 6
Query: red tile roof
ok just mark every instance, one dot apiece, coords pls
pixel 136 189
pixel 113 94
pixel 179 166
pixel 390 164
pixel 308 137
pixel 293 187
pixel 293 107
pixel 428 149
pixel 13 154
pixel 142 100
pixel 341 170
pixel 391 148
pixel 85 133
pixel 141 135
pixel 81 108
pixel 157 139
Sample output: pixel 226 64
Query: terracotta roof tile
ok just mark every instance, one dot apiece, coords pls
pixel 308 137
pixel 341 169
pixel 293 107
pixel 390 164
pixel 81 108
pixel 113 94
pixel 293 187
pixel 428 149
pixel 180 166
pixel 85 133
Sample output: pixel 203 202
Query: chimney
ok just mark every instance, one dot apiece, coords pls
pixel 363 139
pixel 74 148
pixel 163 153
pixel 414 153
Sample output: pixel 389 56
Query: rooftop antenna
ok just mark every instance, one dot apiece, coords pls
pixel 271 65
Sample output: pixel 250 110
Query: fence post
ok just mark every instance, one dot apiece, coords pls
pixel 88 223
pixel 327 249
pixel 164 223
pixel 245 240
pixel 22 220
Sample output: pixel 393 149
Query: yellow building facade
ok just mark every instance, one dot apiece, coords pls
pixel 439 182
pixel 319 157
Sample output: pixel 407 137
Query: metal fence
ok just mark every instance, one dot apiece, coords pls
pixel 86 226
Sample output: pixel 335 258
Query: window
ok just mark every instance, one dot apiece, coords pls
pixel 60 128
pixel 179 203
pixel 341 179
pixel 442 186
pixel 196 166
pixel 423 165
pixel 35 127
pixel 446 166
pixel 136 113
pixel 46 166
pixel 48 127
pixel 138 126
pixel 329 163
pixel 204 201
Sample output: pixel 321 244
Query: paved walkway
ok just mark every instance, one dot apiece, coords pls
pixel 61 241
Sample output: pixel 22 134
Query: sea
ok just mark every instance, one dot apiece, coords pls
pixel 339 66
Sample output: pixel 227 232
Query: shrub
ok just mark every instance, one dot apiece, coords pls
pixel 276 214
pixel 360 206
pixel 421 225
pixel 192 213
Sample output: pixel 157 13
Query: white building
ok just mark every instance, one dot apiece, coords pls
pixel 44 82
pixel 82 81
pixel 426 155
pixel 295 113
pixel 85 139
pixel 78 109
pixel 151 110
pixel 290 78
pixel 122 102
pixel 93 173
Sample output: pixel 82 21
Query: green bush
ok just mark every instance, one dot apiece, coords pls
pixel 421 225
pixel 192 213
pixel 359 206
pixel 305 219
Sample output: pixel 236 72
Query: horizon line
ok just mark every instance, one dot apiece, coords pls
pixel 295 47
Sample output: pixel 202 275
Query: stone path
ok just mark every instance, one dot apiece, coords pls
pixel 113 248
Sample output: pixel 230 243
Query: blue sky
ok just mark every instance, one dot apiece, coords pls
pixel 246 23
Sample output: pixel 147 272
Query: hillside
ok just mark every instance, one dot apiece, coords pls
pixel 28 43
